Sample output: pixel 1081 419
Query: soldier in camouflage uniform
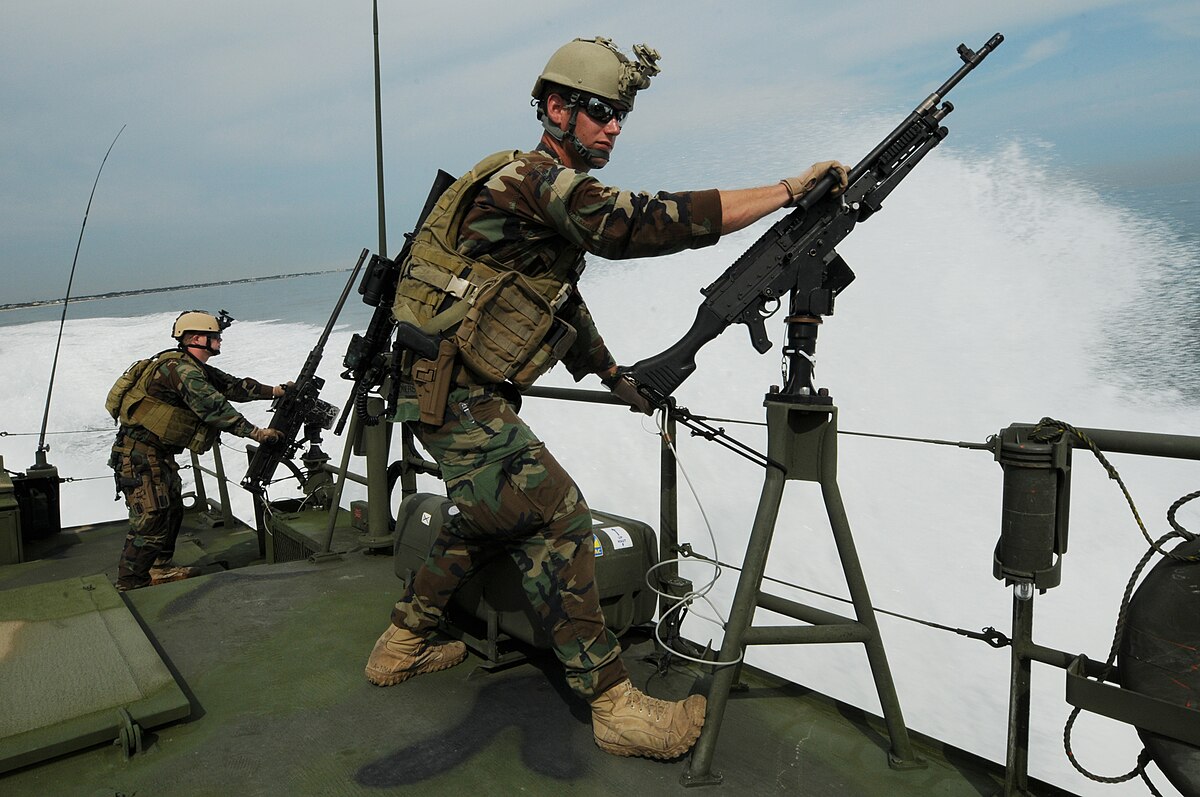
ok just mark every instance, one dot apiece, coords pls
pixel 177 401
pixel 538 214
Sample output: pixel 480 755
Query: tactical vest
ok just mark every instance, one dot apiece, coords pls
pixel 174 426
pixel 502 321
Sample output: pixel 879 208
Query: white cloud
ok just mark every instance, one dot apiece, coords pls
pixel 1043 49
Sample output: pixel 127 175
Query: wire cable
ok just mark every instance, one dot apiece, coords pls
pixel 684 602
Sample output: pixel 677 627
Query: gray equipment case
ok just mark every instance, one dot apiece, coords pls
pixel 625 550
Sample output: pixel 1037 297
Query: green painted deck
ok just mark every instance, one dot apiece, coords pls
pixel 270 658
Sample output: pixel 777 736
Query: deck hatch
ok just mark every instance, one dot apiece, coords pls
pixel 72 656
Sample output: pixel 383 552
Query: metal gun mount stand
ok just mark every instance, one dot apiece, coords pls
pixel 802 437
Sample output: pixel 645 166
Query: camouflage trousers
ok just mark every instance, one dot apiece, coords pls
pixel 149 479
pixel 513 498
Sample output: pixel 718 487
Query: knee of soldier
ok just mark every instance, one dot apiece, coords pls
pixel 524 492
pixel 149 522
pixel 537 476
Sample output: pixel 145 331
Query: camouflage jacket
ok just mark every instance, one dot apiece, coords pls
pixel 536 210
pixel 200 390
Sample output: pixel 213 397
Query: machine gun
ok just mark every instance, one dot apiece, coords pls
pixel 797 255
pixel 366 355
pixel 299 406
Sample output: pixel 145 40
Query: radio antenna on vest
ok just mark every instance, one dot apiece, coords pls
pixel 41 449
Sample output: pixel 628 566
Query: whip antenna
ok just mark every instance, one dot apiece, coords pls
pixel 41 449
pixel 379 136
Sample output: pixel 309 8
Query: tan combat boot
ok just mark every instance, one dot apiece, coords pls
pixel 399 654
pixel 166 571
pixel 627 722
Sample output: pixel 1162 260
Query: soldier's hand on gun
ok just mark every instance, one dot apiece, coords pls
pixel 279 390
pixel 800 185
pixel 267 437
pixel 623 388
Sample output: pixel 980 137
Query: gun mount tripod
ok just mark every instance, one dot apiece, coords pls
pixel 802 446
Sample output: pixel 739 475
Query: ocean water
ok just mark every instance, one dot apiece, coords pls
pixel 992 290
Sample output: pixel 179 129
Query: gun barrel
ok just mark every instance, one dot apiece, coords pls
pixel 927 107
pixel 337 307
pixel 971 59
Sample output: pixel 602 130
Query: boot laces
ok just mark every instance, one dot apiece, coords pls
pixel 651 706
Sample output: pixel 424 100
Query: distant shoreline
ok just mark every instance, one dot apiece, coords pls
pixel 140 291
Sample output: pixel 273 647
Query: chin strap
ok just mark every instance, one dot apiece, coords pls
pixel 595 158
pixel 206 347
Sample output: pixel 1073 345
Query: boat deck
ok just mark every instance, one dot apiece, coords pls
pixel 270 658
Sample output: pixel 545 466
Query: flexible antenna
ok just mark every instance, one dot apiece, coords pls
pixel 379 136
pixel 41 449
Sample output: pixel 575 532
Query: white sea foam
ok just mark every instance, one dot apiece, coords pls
pixel 986 295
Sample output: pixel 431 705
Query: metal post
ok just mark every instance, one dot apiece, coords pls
pixel 222 487
pixel 376 440
pixel 668 536
pixel 1016 767
pixel 335 502
pixel 699 772
pixel 902 754
pixel 201 495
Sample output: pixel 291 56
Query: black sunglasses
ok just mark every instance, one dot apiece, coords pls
pixel 602 112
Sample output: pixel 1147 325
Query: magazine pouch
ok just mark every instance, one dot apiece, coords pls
pixel 552 349
pixel 503 329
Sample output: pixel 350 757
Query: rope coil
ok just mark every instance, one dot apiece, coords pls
pixel 1047 430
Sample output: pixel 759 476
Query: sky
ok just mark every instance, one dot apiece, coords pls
pixel 247 143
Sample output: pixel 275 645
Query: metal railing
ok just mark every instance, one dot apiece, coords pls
pixel 1029 553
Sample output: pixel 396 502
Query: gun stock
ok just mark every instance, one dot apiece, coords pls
pixel 658 376
pixel 366 355
pixel 796 257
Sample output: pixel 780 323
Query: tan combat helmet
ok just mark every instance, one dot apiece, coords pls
pixel 596 66
pixel 200 322
pixel 586 68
